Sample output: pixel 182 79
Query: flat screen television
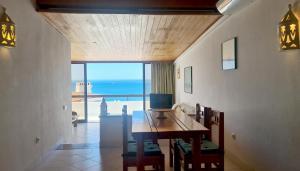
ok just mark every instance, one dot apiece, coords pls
pixel 161 101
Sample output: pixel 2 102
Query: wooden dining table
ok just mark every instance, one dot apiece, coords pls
pixel 151 125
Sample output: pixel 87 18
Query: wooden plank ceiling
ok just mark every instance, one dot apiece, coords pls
pixel 128 30
pixel 129 37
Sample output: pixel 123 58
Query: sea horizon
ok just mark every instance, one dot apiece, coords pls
pixel 111 80
pixel 118 87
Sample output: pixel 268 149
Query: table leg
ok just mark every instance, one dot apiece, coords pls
pixel 176 154
pixel 196 147
pixel 140 153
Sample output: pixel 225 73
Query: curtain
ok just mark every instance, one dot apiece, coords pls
pixel 162 78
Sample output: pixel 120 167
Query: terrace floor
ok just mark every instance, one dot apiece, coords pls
pixel 95 159
pixel 113 107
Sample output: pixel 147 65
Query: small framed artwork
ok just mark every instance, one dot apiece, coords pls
pixel 178 72
pixel 188 80
pixel 229 54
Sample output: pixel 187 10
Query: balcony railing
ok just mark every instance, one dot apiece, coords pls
pixel 109 96
pixel 114 104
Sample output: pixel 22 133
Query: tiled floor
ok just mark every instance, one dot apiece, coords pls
pixel 104 159
pixel 84 133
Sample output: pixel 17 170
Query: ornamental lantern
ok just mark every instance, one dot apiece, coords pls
pixel 289 31
pixel 8 31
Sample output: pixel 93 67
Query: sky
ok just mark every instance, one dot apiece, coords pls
pixel 109 71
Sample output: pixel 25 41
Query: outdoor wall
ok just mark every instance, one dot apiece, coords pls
pixel 261 99
pixel 35 83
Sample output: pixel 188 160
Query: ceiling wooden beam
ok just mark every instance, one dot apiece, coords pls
pixel 129 6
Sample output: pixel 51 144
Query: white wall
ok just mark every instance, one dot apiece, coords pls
pixel 34 85
pixel 261 99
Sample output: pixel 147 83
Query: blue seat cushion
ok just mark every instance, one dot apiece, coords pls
pixel 146 141
pixel 206 147
pixel 149 149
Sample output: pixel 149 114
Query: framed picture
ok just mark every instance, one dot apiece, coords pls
pixel 188 80
pixel 178 72
pixel 229 54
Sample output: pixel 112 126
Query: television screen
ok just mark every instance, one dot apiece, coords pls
pixel 161 101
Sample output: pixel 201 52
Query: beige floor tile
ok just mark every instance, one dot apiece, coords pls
pixel 83 165
pixel 94 168
pixel 104 159
pixel 57 168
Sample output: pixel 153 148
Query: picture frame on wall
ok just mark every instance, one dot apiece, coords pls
pixel 188 80
pixel 229 54
pixel 178 72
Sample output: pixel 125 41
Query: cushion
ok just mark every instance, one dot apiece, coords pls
pixel 133 141
pixel 185 108
pixel 149 149
pixel 206 147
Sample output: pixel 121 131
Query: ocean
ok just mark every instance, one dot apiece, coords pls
pixel 118 87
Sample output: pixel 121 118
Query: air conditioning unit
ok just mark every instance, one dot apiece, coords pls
pixel 228 7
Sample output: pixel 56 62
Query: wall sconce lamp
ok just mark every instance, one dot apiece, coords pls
pixel 289 31
pixel 7 30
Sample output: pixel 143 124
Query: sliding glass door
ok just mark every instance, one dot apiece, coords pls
pixel 117 83
pixel 147 86
pixel 79 91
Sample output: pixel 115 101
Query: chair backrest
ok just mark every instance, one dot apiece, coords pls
pixel 74 113
pixel 217 128
pixel 125 129
pixel 214 121
pixel 203 112
pixel 203 116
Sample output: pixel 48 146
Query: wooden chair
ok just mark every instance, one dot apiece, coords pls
pixel 200 112
pixel 74 118
pixel 152 153
pixel 212 147
pixel 172 143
